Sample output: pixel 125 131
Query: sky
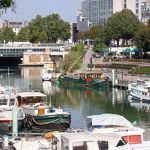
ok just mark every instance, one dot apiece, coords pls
pixel 29 9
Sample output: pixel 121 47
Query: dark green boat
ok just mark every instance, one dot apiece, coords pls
pixel 48 118
pixel 86 80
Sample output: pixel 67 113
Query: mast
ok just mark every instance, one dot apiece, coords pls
pixel 73 64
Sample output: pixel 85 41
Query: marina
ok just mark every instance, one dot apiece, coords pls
pixel 75 100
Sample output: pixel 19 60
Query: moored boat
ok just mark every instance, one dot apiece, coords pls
pixel 7 101
pixel 87 79
pixel 140 90
pixel 48 72
pixel 114 123
pixel 41 116
pixel 44 117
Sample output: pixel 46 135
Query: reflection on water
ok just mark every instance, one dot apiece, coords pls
pixel 80 102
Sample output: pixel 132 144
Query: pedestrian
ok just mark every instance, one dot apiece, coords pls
pixel 91 60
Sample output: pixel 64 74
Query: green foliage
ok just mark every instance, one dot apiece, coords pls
pixel 23 35
pixel 69 60
pixel 122 25
pixel 142 39
pixel 4 4
pixel 46 29
pixel 140 70
pixel 99 45
pixel 7 34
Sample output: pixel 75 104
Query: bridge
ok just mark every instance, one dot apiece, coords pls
pixel 18 51
pixel 30 53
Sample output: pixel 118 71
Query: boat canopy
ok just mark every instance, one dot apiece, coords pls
pixel 109 120
pixel 31 94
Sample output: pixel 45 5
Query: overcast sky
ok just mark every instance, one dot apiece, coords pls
pixel 28 9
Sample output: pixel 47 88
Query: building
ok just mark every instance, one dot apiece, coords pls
pixel 15 25
pixel 93 13
pixel 97 12
pixel 145 8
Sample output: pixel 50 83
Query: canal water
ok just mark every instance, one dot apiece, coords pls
pixel 80 102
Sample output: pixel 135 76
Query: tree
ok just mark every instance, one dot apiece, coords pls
pixel 23 34
pixel 8 34
pixel 94 32
pixel 76 54
pixel 142 39
pixel 122 25
pixel 48 29
pixel 5 4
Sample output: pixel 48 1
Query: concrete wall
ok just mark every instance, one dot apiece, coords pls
pixel 36 57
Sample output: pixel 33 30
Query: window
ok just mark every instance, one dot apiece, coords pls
pixel 12 102
pixel 79 146
pixel 83 145
pixel 103 145
pixel 65 144
pixel 120 143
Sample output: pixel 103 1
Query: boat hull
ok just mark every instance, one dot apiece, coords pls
pixel 138 97
pixel 51 122
pixel 96 83
pixel 6 125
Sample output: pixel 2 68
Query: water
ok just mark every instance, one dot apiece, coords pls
pixel 80 102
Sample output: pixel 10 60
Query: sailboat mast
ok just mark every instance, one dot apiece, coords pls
pixel 8 77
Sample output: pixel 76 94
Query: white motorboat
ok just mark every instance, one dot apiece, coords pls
pixel 48 72
pixel 78 141
pixel 114 123
pixel 140 89
pixel 7 101
pixel 74 141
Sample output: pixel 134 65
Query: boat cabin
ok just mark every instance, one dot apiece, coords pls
pixel 114 123
pixel 30 97
pixel 87 141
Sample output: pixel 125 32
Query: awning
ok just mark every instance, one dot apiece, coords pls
pixel 31 94
pixel 110 119
pixel 136 50
pixel 127 50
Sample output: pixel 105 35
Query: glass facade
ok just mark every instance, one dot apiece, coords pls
pixel 94 12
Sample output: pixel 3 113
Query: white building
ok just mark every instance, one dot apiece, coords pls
pixel 15 25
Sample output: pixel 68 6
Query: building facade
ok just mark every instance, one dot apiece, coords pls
pixel 93 13
pixel 15 25
pixel 97 12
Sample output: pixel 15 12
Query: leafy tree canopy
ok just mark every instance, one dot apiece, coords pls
pixel 122 25
pixel 142 39
pixel 7 35
pixel 76 52
pixel 5 4
pixel 48 29
pixel 23 35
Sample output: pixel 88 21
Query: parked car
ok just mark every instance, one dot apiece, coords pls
pixel 97 55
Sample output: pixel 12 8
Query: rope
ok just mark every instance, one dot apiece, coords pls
pixel 63 120
pixel 44 123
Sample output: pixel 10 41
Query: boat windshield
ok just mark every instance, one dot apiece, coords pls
pixel 3 101
pixel 48 71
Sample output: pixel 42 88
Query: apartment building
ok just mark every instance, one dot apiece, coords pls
pixel 97 12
